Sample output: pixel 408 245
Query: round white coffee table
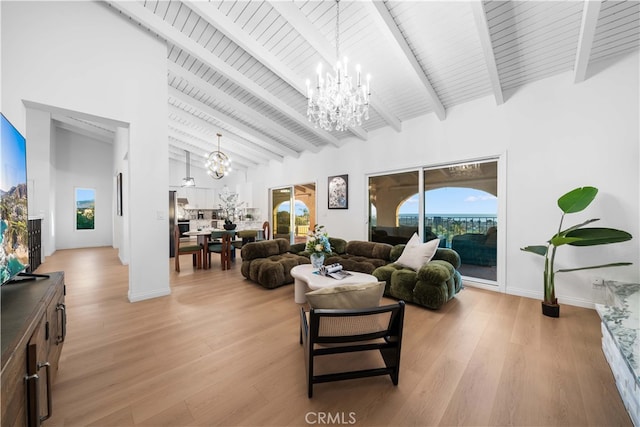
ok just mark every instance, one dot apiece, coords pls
pixel 306 280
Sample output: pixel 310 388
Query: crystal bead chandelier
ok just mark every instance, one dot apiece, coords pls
pixel 218 163
pixel 337 103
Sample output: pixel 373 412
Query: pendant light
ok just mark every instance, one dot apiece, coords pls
pixel 188 181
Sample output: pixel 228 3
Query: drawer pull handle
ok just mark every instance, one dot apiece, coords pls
pixel 33 397
pixel 49 403
pixel 62 309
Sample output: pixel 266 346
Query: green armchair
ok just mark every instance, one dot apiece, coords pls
pixel 431 286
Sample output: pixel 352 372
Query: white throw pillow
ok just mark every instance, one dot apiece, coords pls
pixel 363 295
pixel 417 254
pixel 414 240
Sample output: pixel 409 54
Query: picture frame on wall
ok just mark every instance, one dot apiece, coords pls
pixel 338 190
pixel 119 194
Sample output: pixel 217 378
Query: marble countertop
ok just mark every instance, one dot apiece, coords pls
pixel 621 315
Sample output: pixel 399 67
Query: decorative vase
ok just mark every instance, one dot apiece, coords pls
pixel 229 226
pixel 317 260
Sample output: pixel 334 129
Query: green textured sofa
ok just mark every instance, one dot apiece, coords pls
pixel 269 262
pixel 435 283
pixel 355 255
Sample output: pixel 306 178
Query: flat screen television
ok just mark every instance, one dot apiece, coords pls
pixel 14 216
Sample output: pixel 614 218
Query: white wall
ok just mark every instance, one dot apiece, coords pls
pixel 83 57
pixel 76 167
pixel 556 135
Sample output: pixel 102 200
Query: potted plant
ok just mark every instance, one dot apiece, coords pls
pixel 229 205
pixel 574 201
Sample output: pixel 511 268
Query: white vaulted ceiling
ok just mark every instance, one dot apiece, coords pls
pixel 239 67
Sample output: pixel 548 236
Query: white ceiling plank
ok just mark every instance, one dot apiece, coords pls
pixel 239 106
pixel 301 24
pixel 167 31
pixel 255 150
pixel 590 15
pixel 229 28
pixel 250 133
pixel 480 18
pixel 389 29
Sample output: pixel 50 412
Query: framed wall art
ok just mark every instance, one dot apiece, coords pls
pixel 339 192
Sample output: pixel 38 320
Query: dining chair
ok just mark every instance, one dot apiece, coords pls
pixel 194 249
pixel 221 243
pixel 265 230
pixel 246 236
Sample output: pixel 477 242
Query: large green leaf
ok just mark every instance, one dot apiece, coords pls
pixel 577 200
pixel 597 236
pixel 559 240
pixel 538 249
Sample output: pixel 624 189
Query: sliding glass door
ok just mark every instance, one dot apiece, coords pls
pixel 393 207
pixel 457 204
pixel 293 211
pixel 461 208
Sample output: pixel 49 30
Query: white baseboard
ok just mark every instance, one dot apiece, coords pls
pixel 578 302
pixel 149 295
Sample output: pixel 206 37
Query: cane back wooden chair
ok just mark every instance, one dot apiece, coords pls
pixel 335 331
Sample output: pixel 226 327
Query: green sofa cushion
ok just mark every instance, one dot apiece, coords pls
pixel 436 271
pixel 264 248
pixel 369 249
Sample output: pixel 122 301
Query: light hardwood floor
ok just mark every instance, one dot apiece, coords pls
pixel 221 350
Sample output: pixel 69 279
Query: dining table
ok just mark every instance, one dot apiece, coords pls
pixel 203 237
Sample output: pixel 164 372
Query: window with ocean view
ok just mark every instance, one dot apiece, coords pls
pixel 459 206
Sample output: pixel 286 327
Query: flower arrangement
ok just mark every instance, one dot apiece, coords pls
pixel 318 241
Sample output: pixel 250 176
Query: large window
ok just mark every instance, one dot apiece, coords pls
pixel 458 204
